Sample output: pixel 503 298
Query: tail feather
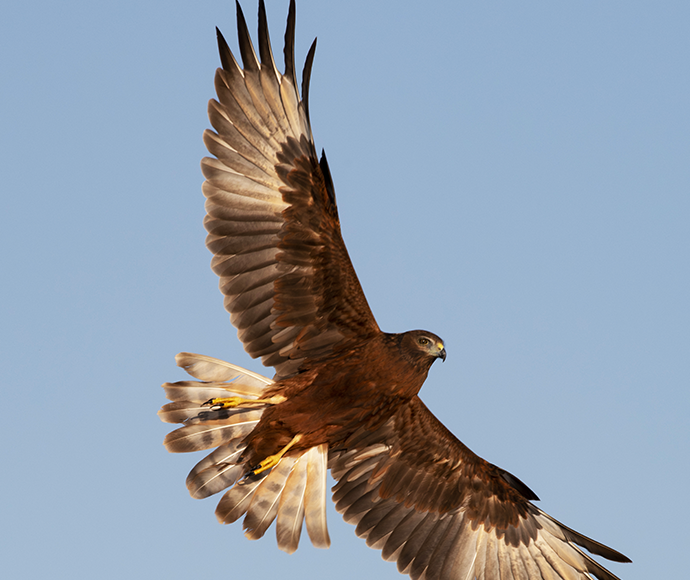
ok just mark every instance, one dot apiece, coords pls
pixel 190 412
pixel 224 454
pixel 234 504
pixel 222 472
pixel 266 501
pixel 292 492
pixel 315 496
pixel 207 434
pixel 291 510
pixel 199 392
pixel 180 412
pixel 209 369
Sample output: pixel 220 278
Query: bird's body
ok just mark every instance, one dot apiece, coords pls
pixel 344 395
pixel 339 395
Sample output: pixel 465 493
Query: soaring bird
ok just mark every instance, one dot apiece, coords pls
pixel 344 395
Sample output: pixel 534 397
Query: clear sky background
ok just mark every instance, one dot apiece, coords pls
pixel 514 176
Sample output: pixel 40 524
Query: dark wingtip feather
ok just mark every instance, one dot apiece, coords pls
pixel 289 48
pixel 306 78
pixel 249 61
pixel 593 546
pixel 330 189
pixel 518 485
pixel 226 57
pixel 600 549
pixel 264 38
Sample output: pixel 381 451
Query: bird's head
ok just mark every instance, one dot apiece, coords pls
pixel 423 346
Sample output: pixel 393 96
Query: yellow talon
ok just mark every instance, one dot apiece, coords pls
pixel 272 460
pixel 219 403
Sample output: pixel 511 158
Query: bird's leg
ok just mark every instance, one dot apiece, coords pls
pixel 272 460
pixel 219 403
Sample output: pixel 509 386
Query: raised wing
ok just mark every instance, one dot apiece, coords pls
pixel 442 513
pixel 272 218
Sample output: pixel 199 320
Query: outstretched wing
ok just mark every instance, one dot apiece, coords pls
pixel 272 218
pixel 442 513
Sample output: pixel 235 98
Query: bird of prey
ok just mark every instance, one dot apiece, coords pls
pixel 345 394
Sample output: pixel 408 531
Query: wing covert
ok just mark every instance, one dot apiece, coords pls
pixel 272 220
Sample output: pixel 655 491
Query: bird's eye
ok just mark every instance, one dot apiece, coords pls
pixel 424 341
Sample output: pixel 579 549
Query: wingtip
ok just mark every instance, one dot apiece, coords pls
pixel 328 178
pixel 289 45
pixel 223 50
pixel 264 38
pixel 306 77
pixel 246 49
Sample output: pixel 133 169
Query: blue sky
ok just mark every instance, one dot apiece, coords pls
pixel 512 176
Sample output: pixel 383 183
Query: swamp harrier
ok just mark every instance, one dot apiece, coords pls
pixel 344 394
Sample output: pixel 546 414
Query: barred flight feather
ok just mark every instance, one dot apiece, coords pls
pixel 293 492
pixel 197 393
pixel 291 510
pixel 266 499
pixel 315 496
pixel 191 412
pixel 234 503
pixel 215 478
pixel 223 454
pixel 207 368
pixel 207 434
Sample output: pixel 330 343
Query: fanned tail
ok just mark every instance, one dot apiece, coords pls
pixel 291 492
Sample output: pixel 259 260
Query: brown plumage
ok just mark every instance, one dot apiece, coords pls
pixel 344 394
